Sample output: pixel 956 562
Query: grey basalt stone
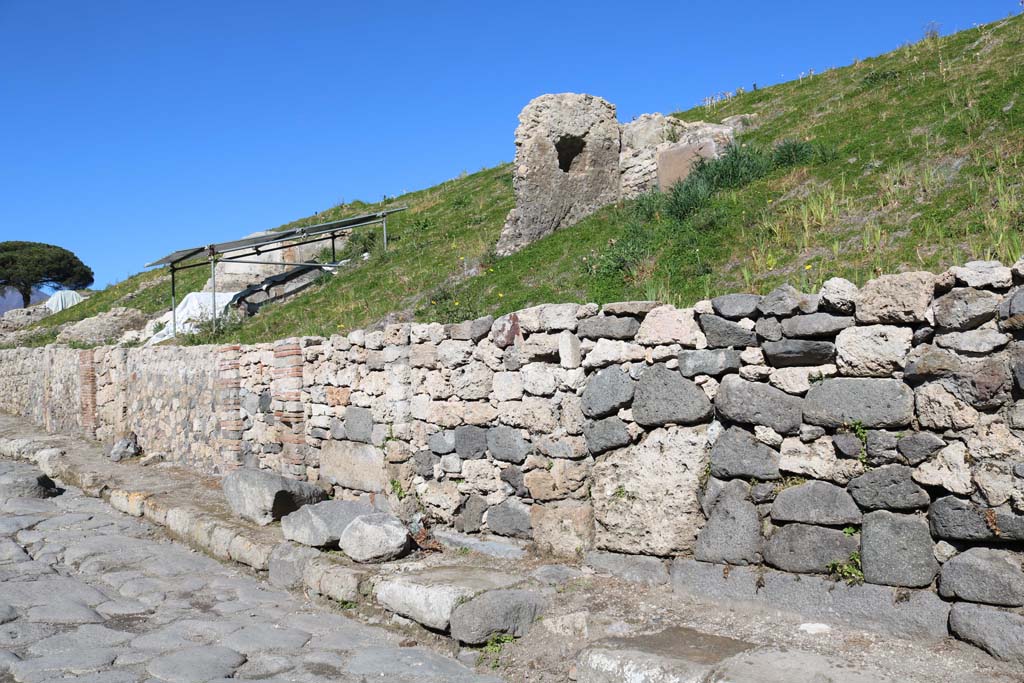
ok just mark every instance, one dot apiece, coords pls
pixel 507 444
pixel 607 391
pixel 919 446
pixel 510 518
pixel 470 442
pixel 513 476
pixel 787 353
pixel 896 550
pixel 358 424
pixel 984 575
pixel 261 496
pixel 1011 310
pixel 816 325
pixel 376 537
pixel 732 534
pixel 996 631
pixel 736 306
pixel 471 516
pixel 848 445
pixel 495 613
pixel 322 524
pixel 888 488
pixel 805 549
pixel 874 403
pixel 192 664
pixel 288 562
pixel 423 463
pixel 781 301
pixel 608 327
pixel 769 329
pixel 713 362
pixel 642 569
pixel 955 519
pixel 965 308
pixel 472 330
pixel 816 502
pixel 605 435
pixel 664 396
pixel 125 447
pixel 738 454
pixel 442 443
pixel 26 483
pixel 722 333
pixel 753 403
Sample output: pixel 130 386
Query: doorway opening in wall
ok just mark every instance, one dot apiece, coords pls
pixel 569 147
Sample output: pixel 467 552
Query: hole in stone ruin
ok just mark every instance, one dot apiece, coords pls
pixel 568 148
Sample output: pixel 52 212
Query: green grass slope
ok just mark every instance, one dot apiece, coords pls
pixel 925 172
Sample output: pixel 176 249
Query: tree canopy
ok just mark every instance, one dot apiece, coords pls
pixel 28 265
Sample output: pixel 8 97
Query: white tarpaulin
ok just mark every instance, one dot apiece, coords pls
pixel 195 308
pixel 65 298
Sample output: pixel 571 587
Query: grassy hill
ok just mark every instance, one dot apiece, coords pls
pixel 910 160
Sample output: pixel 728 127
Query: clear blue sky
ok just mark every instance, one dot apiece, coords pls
pixel 132 128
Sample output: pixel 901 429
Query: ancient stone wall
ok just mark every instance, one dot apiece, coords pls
pixel 874 434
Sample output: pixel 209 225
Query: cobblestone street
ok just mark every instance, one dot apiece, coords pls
pixel 90 594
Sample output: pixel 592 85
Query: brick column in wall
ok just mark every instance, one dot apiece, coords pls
pixel 229 414
pixel 289 412
pixel 87 391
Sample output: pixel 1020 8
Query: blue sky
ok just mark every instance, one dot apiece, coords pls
pixel 131 128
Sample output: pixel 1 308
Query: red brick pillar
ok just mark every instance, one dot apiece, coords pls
pixel 87 391
pixel 289 412
pixel 229 412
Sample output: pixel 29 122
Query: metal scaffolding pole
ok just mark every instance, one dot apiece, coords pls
pixel 174 305
pixel 213 280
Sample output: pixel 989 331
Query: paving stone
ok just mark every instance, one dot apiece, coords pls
pixel 785 665
pixel 499 612
pixel 713 362
pixel 921 614
pixel 897 550
pixel 722 333
pixel 196 664
pixel 377 537
pixel 430 596
pixel 998 632
pixel 676 654
pixel 806 549
pixel 26 483
pixel 753 403
pixel 738 454
pixel 322 524
pixel 410 665
pixel 664 396
pixel 86 636
pixel 874 403
pixel 736 306
pixel 607 390
pixel 984 575
pixel 287 563
pixel 253 639
pixel 7 613
pixel 649 571
pixel 888 488
pixel 492 546
pixel 816 502
pixel 64 612
pixel 261 496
